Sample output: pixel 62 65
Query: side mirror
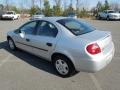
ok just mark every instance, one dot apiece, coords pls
pixel 22 34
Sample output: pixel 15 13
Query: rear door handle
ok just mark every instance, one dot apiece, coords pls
pixel 49 44
pixel 28 40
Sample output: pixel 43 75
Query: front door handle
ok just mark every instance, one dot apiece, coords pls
pixel 49 44
pixel 28 40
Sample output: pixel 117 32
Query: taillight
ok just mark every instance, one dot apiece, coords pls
pixel 93 49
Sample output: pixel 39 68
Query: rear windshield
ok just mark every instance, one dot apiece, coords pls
pixel 75 26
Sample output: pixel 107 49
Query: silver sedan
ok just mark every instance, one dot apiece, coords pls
pixel 70 44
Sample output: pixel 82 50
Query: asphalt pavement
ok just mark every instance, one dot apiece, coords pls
pixel 22 71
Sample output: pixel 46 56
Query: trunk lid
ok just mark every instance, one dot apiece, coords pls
pixel 95 35
pixel 102 38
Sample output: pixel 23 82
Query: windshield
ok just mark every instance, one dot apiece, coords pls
pixel 111 11
pixel 9 13
pixel 38 13
pixel 75 26
pixel 71 14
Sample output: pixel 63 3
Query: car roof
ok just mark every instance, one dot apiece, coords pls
pixel 10 11
pixel 53 19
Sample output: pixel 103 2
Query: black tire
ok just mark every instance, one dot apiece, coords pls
pixel 65 61
pixel 11 42
pixel 108 18
pixel 13 19
pixel 99 18
pixel 17 18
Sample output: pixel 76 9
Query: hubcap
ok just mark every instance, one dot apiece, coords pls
pixel 62 67
pixel 11 44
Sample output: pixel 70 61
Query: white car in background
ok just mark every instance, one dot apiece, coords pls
pixel 72 15
pixel 37 16
pixel 109 15
pixel 11 15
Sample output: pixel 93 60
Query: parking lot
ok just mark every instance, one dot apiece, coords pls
pixel 22 71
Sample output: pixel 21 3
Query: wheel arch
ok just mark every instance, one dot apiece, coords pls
pixel 64 55
pixel 9 37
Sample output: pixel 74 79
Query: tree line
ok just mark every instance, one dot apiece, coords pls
pixel 60 7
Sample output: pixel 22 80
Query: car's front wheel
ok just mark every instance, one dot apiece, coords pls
pixel 11 44
pixel 63 66
pixel 99 17
pixel 108 18
pixel 13 18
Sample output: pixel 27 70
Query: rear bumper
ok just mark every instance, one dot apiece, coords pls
pixel 94 65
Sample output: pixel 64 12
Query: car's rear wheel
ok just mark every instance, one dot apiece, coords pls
pixel 63 66
pixel 11 44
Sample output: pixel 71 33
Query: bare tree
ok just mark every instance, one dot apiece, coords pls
pixel 7 4
pixel 65 5
pixel 57 7
pixel 33 3
pixel 115 6
pixel 71 6
pixel 71 1
pixel 1 7
pixel 78 4
pixel 57 2
pixel 40 4
pixel 23 4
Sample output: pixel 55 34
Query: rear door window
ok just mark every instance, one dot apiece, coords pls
pixel 47 29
